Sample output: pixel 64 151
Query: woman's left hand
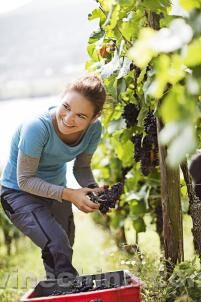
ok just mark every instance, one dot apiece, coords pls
pixel 99 190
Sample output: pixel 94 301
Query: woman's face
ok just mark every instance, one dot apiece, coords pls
pixel 74 114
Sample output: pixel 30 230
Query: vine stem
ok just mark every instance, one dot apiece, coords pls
pixel 195 208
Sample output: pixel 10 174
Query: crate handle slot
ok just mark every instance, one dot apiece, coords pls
pixel 96 300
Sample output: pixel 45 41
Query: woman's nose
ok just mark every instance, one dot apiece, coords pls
pixel 69 118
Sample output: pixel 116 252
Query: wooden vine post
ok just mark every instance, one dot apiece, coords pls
pixel 172 211
pixel 170 194
pixel 194 207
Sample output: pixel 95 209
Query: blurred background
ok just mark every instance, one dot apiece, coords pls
pixel 42 47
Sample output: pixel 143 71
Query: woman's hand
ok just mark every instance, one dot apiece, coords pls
pixel 99 190
pixel 80 199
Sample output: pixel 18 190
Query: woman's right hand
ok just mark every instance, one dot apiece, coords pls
pixel 80 199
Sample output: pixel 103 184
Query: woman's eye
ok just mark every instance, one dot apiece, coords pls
pixel 81 116
pixel 66 107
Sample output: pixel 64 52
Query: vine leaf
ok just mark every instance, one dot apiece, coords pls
pixel 125 68
pixel 113 66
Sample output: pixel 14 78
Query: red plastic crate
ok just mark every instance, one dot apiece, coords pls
pixel 130 292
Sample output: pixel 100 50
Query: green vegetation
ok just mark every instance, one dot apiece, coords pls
pixel 149 59
pixel 98 252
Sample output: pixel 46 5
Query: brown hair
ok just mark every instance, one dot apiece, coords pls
pixel 92 88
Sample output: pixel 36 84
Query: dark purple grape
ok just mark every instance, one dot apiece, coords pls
pixel 108 197
pixel 136 139
pixel 146 164
pixel 149 154
pixel 130 114
pixel 150 126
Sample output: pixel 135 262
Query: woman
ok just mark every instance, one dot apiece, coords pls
pixel 34 193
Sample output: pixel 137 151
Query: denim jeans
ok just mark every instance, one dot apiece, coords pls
pixel 48 223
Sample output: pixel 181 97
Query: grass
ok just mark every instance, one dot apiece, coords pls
pixel 94 251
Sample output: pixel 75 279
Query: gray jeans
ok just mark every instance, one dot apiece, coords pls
pixel 48 223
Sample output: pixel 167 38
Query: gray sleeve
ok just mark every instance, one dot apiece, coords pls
pixel 82 170
pixel 28 181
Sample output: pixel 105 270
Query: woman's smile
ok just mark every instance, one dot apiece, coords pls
pixel 66 125
pixel 74 115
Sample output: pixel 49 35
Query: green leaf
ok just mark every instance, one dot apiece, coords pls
pixel 180 146
pixel 125 68
pixel 139 225
pixel 131 25
pixel 168 70
pixel 121 86
pixel 123 146
pixel 126 3
pixel 177 106
pixel 192 55
pixel 141 53
pixel 171 131
pixel 140 195
pixel 178 34
pixel 112 18
pixel 106 4
pixel 193 85
pixel 195 21
pixel 190 4
pixel 123 151
pixel 116 221
pixel 97 14
pixel 177 136
pixel 111 67
pixel 156 5
pixel 137 208
pixel 92 52
pixel 95 36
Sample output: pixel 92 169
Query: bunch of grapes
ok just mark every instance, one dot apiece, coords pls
pixel 150 126
pixel 149 158
pixel 83 285
pixel 130 114
pixel 108 198
pixel 155 152
pixel 146 148
pixel 137 139
pixel 146 163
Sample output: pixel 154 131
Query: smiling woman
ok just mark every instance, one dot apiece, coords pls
pixel 73 117
pixel 34 193
pixel 10 5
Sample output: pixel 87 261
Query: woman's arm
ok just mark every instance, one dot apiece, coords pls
pixel 27 167
pixel 28 181
pixel 82 170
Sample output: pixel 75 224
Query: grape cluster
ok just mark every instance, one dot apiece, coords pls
pixel 130 114
pixel 108 197
pixel 83 286
pixel 150 158
pixel 137 139
pixel 146 148
pixel 150 126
